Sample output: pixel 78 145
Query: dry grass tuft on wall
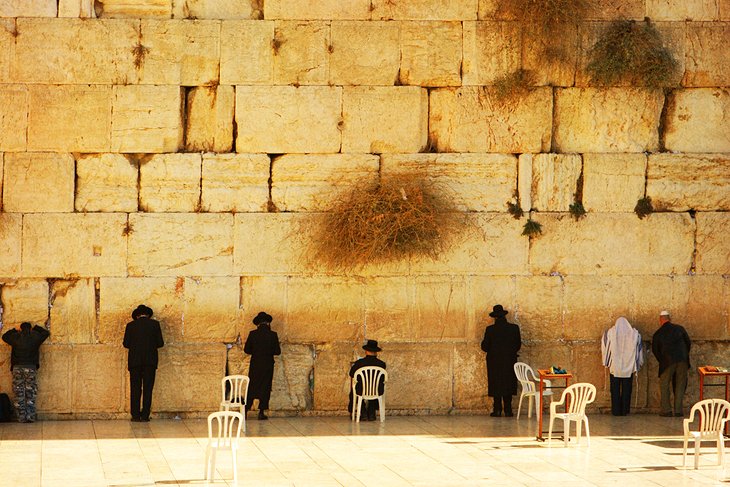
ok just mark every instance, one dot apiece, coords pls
pixel 546 15
pixel 514 85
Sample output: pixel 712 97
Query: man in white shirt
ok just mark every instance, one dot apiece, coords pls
pixel 623 353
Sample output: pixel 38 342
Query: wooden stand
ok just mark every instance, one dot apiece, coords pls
pixel 546 374
pixel 706 373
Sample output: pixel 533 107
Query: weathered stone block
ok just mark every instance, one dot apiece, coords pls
pixel 34 8
pixel 483 293
pixel 215 9
pixel 539 310
pixel 473 182
pixel 209 121
pixel 7 46
pixel 106 182
pixel 430 53
pixel 69 118
pixel 6 380
pixel 607 120
pixel 680 182
pixel 713 246
pixel 55 384
pixel 11 231
pixel 136 9
pixel 146 119
pixel 551 59
pixel 424 10
pixel 706 63
pixel 380 119
pixel 246 53
pixel 301 52
pixel 331 380
pixel 470 377
pixel 439 309
pixel 685 10
pixel 252 258
pixel 235 182
pixel 554 179
pixel 189 378
pixel 591 304
pixel 388 309
pixel 587 367
pixel 180 244
pixel 650 295
pixel 265 293
pixel 605 244
pixel 282 119
pixel 96 392
pixel 471 119
pixel 617 9
pixel 38 182
pixel 25 300
pixel 92 244
pixel 613 182
pixel 14 101
pixel 702 306
pixel 170 182
pixel 364 53
pixel 290 390
pixel 211 310
pixel 83 9
pixel 724 9
pixel 73 311
pixel 491 50
pixel 316 182
pixel 696 120
pixel 324 10
pixel 417 384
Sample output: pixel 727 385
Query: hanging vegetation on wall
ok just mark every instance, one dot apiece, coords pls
pixel 514 85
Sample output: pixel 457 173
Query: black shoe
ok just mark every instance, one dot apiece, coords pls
pixel 678 415
pixel 495 414
pixel 508 414
pixel 262 416
pixel 145 420
pixel 666 415
pixel 136 420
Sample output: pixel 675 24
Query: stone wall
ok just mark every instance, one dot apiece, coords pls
pixel 174 152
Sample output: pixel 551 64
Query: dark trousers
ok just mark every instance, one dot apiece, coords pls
pixel 368 409
pixel 673 377
pixel 503 400
pixel 621 395
pixel 141 382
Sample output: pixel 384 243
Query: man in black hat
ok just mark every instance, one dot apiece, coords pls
pixel 369 360
pixel 501 341
pixel 262 344
pixel 24 364
pixel 142 337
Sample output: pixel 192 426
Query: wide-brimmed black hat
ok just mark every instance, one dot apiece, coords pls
pixel 262 318
pixel 498 311
pixel 371 346
pixel 142 310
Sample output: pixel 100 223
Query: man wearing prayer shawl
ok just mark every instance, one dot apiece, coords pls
pixel 623 354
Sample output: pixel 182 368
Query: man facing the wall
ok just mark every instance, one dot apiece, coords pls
pixel 670 345
pixel 142 337
pixel 24 363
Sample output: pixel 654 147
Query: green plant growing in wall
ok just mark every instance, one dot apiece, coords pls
pixel 577 210
pixel 644 207
pixel 532 228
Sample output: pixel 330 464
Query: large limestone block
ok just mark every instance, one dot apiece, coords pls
pixel 414 383
pixel 702 306
pixel 439 308
pixel 38 182
pixel 119 296
pixel 588 367
pixel 282 119
pixel 591 304
pixel 95 392
pixel 610 243
pixel 11 231
pixel 697 120
pixel 246 54
pixel 290 390
pixel 146 119
pixel 8 33
pixel 607 120
pixel 235 182
pixel 314 182
pixel 554 179
pixel 724 9
pixel 706 63
pixel 388 309
pixel 170 182
pixel 189 378
pixel 491 50
pixel 55 383
pixel 382 119
pixel 69 118
pixel 685 10
pixel 209 121
pixel 14 101
pixel 271 243
pixel 25 300
pixel 73 311
pixel 597 9
pixel 539 310
pixel 211 309
pixel 650 295
pixel 91 244
pixel 483 293
pixel 679 182
pixel 76 8
pixel 75 51
pixel 135 9
pixel 552 59
pixel 364 53
pixel 106 182
pixel 713 246
pixel 470 376
pixel 259 293
pixel 331 382
pixel 301 52
pixel 471 119
pixel 321 10
pixel 215 9
pixel 430 53
pixel 180 244
pixel 613 182
pixel 28 8
pixel 424 10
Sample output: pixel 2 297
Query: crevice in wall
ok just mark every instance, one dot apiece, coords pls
pixel 139 184
pixel 97 307
pixel 578 195
pixel 76 178
pixel 199 205
pixel 553 144
pixel 667 111
pixel 693 266
pixel 270 205
pixel 186 97
pixel 431 139
pixel 235 124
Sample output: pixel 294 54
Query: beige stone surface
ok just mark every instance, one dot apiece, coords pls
pixel 11 232
pixel 214 9
pixel 706 62
pixel 613 9
pixel 38 182
pixel 246 54
pixel 76 8
pixel 74 51
pixel 681 11
pixel 55 382
pixel 170 182
pixel 106 182
pixel 587 367
pixel 211 309
pixel 90 245
pixel 365 53
pixel 613 182
pixel 551 59
pixel 290 389
pixel 491 50
pixel 25 300
pixel 321 10
pixel 473 182
pixel 697 120
pixel 264 293
pixel 703 306
pixel 136 9
pixel 209 119
pixel 315 182
pixel 679 182
pixel 73 311
pixel 69 118
pixel 180 244
pixel 607 120
pixel 6 379
pixel 591 304
pixel 388 309
pixel 713 246
pixel 95 392
pixel 29 8
pixel 554 180
pixel 439 308
pixel 470 119
pixel 611 243
pixel 424 10
pixel 384 119
pixel 331 380
pixel 470 377
pixel 724 9
pixel 146 119
pixel 14 100
pixel 483 293
pixel 539 310
pixel 271 243
pixel 415 383
pixel 650 295
pixel 282 119
pixel 189 378
pixel 235 182
pixel 301 52
pixel 431 53
pixel 7 46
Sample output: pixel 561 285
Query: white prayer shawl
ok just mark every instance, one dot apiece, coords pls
pixel 621 349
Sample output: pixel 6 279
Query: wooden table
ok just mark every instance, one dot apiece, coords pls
pixel 706 373
pixel 546 374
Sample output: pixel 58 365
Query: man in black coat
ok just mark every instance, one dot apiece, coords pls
pixel 262 344
pixel 369 360
pixel 142 337
pixel 670 345
pixel 501 341
pixel 24 364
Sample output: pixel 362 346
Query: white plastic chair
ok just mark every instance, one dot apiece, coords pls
pixel 713 414
pixel 527 378
pixel 578 396
pixel 369 377
pixel 234 391
pixel 227 433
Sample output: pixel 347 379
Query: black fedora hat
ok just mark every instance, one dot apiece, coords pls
pixel 371 346
pixel 142 310
pixel 262 318
pixel 498 311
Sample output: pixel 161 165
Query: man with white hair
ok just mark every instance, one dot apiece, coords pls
pixel 670 346
pixel 623 354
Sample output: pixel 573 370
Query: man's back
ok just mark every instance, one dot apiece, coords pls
pixel 143 337
pixel 368 361
pixel 670 344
